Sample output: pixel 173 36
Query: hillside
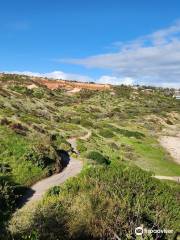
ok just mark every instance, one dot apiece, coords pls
pixel 34 82
pixel 115 191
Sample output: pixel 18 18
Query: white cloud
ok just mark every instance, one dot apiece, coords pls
pixel 153 59
pixel 115 80
pixel 56 75
pixel 105 79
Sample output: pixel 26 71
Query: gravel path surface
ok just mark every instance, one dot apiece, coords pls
pixel 37 190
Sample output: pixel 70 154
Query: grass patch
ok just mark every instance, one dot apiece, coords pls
pixel 13 147
pixel 151 156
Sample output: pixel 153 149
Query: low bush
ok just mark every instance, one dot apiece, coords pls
pixel 21 89
pixel 123 91
pixel 114 146
pixel 80 146
pixel 127 133
pixel 19 128
pixel 106 133
pixel 53 191
pixel 9 195
pixel 41 155
pixel 59 142
pixel 5 168
pixel 5 121
pixel 38 93
pixel 86 123
pixel 98 157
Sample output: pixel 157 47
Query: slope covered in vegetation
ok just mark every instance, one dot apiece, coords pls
pixel 112 195
pixel 101 203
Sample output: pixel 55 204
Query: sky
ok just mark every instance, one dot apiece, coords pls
pixel 106 41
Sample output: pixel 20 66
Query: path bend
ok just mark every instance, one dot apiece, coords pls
pixel 74 167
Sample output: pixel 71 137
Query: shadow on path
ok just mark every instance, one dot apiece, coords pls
pixel 28 194
pixel 64 161
pixel 65 158
pixel 70 168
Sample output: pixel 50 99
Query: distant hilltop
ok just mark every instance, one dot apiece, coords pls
pixel 56 84
pixel 69 85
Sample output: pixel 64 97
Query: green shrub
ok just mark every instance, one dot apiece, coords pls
pixel 32 236
pixel 53 191
pixel 80 146
pixel 127 133
pixel 86 123
pixel 38 93
pixel 106 133
pixel 21 89
pixel 98 157
pixel 59 142
pixel 8 198
pixel 114 146
pixel 41 155
pixel 123 91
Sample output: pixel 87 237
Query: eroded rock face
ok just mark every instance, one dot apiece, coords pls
pixel 70 85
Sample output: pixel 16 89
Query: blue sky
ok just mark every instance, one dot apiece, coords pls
pixel 100 40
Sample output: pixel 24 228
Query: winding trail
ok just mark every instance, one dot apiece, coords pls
pixel 74 167
pixel 73 142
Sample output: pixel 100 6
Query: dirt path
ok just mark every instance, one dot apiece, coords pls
pixel 176 178
pixel 37 190
pixel 73 168
pixel 73 143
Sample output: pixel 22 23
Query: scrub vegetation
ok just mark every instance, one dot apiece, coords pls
pixel 115 191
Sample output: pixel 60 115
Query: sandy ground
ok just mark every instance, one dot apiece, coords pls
pixel 171 142
pixel 172 145
pixel 74 90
